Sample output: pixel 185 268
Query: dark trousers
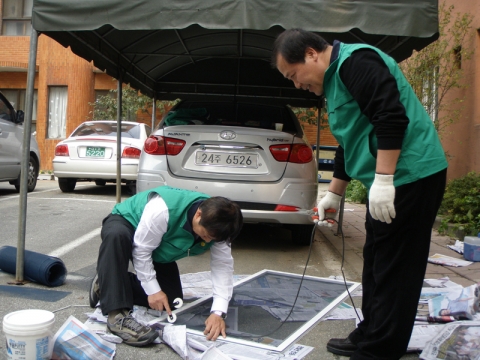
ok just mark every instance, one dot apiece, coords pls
pixel 119 288
pixel 395 260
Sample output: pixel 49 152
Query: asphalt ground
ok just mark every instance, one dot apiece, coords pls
pixel 52 216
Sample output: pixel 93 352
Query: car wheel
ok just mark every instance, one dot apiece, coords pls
pixel 100 182
pixel 66 184
pixel 32 176
pixel 301 234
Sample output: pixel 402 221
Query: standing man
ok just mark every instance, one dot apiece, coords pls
pixel 388 142
pixel 154 229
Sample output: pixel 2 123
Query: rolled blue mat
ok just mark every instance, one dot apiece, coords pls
pixel 41 268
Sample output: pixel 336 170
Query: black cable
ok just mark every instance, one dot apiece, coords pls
pixel 343 274
pixel 296 297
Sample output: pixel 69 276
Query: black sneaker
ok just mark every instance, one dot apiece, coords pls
pixel 94 294
pixel 132 332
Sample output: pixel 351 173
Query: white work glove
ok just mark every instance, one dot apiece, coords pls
pixel 382 194
pixel 328 208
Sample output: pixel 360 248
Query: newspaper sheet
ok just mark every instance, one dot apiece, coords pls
pixel 456 341
pixel 75 341
pixel 458 247
pixel 176 337
pixel 421 334
pixel 445 260
pixel 444 282
pixel 461 305
pixel 214 354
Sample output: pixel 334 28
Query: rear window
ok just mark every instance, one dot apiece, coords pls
pixel 107 129
pixel 229 114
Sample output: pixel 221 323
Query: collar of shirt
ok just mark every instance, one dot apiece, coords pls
pixel 190 214
pixel 335 50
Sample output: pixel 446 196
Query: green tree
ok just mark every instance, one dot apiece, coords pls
pixel 105 107
pixel 437 69
pixel 310 115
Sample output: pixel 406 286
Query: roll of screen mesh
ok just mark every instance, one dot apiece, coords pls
pixel 44 269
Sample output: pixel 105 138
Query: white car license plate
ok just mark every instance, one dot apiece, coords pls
pixel 226 159
pixel 94 151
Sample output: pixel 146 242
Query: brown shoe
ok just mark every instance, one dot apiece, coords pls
pixel 343 347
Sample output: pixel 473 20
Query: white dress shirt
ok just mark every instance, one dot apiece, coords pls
pixel 148 236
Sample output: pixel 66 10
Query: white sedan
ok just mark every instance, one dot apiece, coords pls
pixel 90 153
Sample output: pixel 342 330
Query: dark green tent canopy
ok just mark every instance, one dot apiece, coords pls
pixel 190 48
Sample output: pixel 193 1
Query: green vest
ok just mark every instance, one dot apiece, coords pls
pixel 177 242
pixel 421 155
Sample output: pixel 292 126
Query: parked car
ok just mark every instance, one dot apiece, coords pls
pixel 90 153
pixel 11 147
pixel 233 150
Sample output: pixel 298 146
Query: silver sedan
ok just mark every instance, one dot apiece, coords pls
pixel 255 154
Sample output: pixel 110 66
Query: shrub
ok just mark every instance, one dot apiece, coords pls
pixel 461 204
pixel 356 192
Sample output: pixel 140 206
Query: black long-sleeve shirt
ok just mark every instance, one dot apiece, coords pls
pixel 373 87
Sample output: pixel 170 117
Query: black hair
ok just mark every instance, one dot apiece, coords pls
pixel 292 45
pixel 221 218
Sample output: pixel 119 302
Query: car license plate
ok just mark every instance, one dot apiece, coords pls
pixel 226 159
pixel 93 151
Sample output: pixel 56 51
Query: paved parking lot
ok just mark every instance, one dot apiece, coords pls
pixel 68 224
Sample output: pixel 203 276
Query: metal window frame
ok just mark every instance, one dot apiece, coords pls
pixel 293 336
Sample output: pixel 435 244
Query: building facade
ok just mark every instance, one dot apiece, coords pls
pixel 66 84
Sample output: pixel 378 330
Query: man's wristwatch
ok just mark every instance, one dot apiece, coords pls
pixel 219 313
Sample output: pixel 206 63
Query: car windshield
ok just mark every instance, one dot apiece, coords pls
pixel 230 114
pixel 107 129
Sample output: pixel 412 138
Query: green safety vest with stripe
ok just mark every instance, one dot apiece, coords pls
pixel 177 242
pixel 421 155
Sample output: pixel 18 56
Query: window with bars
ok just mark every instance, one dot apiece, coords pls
pixel 16 17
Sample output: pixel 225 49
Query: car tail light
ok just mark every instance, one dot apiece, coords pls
pixel 280 152
pixel 131 153
pixel 296 153
pixel 286 208
pixel 61 150
pixel 160 145
pixel 301 154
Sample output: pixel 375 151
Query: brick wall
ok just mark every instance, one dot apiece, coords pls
pixel 56 66
pixel 326 137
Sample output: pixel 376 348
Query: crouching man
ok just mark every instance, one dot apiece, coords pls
pixel 154 229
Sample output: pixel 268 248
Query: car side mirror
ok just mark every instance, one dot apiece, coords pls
pixel 20 116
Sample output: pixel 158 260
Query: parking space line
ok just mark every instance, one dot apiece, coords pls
pixel 75 243
pixel 33 193
pixel 77 199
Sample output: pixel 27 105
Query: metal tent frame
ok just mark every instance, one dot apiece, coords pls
pixel 205 48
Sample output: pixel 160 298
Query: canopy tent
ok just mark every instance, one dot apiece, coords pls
pixel 171 49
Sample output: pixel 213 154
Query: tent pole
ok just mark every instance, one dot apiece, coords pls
pixel 317 146
pixel 27 126
pixel 119 139
pixel 154 110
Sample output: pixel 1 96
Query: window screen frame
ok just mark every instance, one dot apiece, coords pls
pixel 294 336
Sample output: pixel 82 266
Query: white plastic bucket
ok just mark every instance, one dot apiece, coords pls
pixel 29 334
